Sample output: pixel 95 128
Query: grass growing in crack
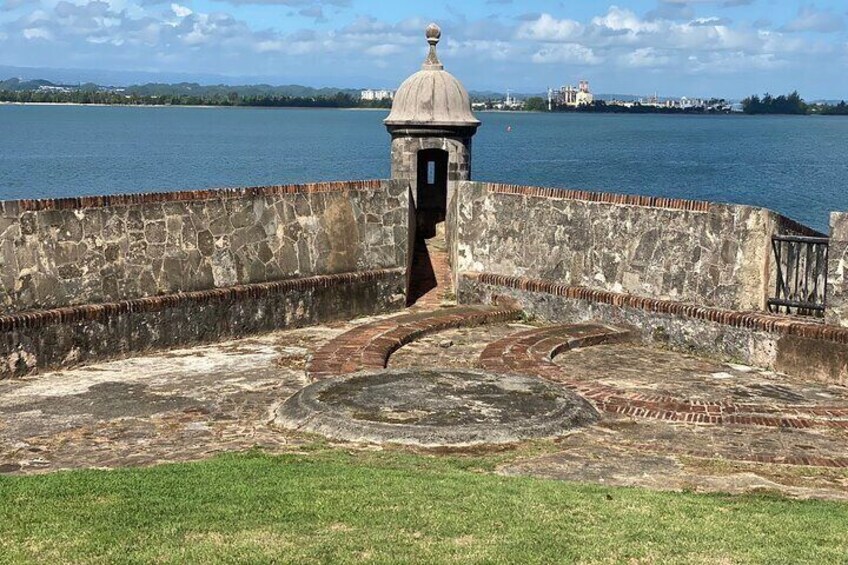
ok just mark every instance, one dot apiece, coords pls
pixel 392 506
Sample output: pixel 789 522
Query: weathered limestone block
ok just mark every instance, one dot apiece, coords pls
pixel 43 340
pixel 61 253
pixel 837 270
pixel 711 254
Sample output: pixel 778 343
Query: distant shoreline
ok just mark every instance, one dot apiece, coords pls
pixel 98 105
pixel 358 109
pixel 206 106
pixel 352 109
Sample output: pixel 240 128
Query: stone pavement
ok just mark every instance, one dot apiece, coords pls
pixel 535 352
pixel 190 404
pixel 436 408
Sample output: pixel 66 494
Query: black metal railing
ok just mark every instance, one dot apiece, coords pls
pixel 801 282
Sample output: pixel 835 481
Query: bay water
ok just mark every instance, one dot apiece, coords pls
pixel 796 165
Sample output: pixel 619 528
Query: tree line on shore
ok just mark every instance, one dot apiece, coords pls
pixel 790 104
pixel 293 96
pixel 338 100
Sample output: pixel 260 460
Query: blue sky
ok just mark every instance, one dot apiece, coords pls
pixel 675 47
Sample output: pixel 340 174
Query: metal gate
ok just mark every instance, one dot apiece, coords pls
pixel 801 285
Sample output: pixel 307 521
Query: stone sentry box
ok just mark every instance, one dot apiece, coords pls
pixel 432 125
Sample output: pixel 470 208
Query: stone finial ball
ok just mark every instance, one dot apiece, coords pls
pixel 434 33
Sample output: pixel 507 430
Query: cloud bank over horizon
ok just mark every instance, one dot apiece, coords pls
pixel 675 47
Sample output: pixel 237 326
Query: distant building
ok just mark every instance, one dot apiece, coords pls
pixel 509 103
pixel 45 88
pixel 377 95
pixel 569 95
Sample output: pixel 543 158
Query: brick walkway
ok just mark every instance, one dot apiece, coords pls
pixel 369 346
pixel 430 276
pixel 533 352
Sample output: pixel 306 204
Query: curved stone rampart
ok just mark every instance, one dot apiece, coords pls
pixel 717 255
pixel 90 250
pixel 95 277
pixel 64 337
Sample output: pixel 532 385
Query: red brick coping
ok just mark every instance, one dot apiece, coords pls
pixel 533 351
pixel 603 197
pixel 17 206
pixel 101 312
pixel 757 321
pixel 786 224
pixel 369 346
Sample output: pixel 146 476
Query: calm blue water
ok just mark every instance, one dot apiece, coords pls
pixel 795 165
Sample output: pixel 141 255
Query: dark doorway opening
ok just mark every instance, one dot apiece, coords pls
pixel 432 191
pixel 429 272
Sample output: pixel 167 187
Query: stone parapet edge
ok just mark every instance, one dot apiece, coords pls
pixel 602 197
pixel 756 321
pixel 94 312
pixel 787 224
pixel 105 201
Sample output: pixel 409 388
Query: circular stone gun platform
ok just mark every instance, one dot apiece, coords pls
pixel 435 408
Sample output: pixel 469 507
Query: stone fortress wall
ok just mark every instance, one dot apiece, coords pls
pixel 96 277
pixel 93 278
pixel 690 275
pixel 90 278
pixel 837 271
pixel 709 254
pixel 70 252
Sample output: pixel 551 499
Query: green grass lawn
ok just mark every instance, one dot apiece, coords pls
pixel 387 507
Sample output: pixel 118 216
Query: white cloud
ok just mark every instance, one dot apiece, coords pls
pixel 618 19
pixel 478 49
pixel 733 62
pixel 638 42
pixel 645 57
pixel 809 18
pixel 37 33
pixel 382 50
pixel 181 11
pixel 547 28
pixel 569 53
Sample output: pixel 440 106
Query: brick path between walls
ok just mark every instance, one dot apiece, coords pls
pixel 430 276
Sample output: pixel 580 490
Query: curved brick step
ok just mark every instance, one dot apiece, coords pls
pixel 533 351
pixel 515 351
pixel 369 346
